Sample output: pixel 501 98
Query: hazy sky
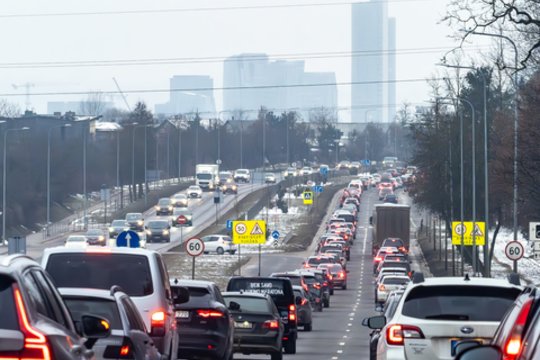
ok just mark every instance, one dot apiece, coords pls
pixel 196 34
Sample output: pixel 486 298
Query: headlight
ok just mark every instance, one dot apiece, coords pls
pixel 111 229
pixel 234 187
pixel 165 232
pixel 101 238
pixel 156 207
pixel 140 222
pixel 170 208
pixel 148 232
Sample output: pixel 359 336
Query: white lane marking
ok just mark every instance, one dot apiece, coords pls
pixel 334 357
pixel 341 344
pixel 344 336
pixel 348 330
pixel 351 318
pixel 340 351
pixel 349 324
pixel 365 241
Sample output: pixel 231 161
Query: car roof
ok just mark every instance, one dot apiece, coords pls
pixel 100 249
pixel 468 281
pixel 86 292
pixel 191 283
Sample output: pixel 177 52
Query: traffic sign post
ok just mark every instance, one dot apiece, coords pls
pixel 514 251
pixel 466 234
pixel 229 224
pixel 308 197
pixel 128 239
pixel 275 234
pixel 194 248
pixel 249 232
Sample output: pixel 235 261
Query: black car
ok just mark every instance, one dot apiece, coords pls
pixel 304 310
pixel 205 326
pixel 36 323
pixel 158 230
pixel 281 291
pixel 96 237
pixel 229 188
pixel 257 323
pixel 117 226
pixel 320 275
pixel 135 221
pixel 164 207
pixel 315 289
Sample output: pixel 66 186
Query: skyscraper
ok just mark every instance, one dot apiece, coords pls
pixel 373 70
pixel 198 96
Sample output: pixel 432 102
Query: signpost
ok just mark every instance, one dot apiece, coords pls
pixel 128 239
pixel 534 237
pixel 275 234
pixel 308 197
pixel 466 233
pixel 249 232
pixel 194 248
pixel 514 251
pixel 229 224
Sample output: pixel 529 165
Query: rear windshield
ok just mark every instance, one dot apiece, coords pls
pixel 460 303
pixel 347 218
pixel 279 289
pixel 393 243
pixel 249 304
pixel 395 281
pixel 317 261
pixel 100 307
pixel 8 312
pixel 101 271
pixel 295 280
pixel 197 296
pixel 396 264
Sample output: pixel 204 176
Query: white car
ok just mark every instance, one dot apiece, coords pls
pixel 218 244
pixel 180 200
pixel 76 242
pixel 306 170
pixel 435 314
pixel 270 178
pixel 389 283
pixel 194 191
pixel 242 175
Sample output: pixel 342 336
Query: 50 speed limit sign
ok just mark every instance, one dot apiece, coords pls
pixel 514 250
pixel 194 247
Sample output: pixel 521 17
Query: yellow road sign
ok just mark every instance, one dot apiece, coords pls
pixel 308 197
pixel 247 232
pixel 467 231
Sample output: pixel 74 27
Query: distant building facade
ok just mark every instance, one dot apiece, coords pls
pixel 189 93
pixel 373 72
pixel 74 106
pixel 272 84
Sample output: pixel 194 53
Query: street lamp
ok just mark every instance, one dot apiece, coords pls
pixel 4 210
pixel 49 174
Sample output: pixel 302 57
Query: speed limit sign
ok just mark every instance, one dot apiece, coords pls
pixel 194 247
pixel 514 250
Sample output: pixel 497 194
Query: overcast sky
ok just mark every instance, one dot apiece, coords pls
pixel 216 33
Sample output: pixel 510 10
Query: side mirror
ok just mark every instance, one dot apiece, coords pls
pixel 484 352
pixel 180 295
pixel 234 306
pixel 95 327
pixel 298 300
pixel 375 322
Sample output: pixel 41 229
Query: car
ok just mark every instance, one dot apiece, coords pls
pixel 242 175
pixel 147 284
pixel 314 261
pixel 205 325
pixel 218 243
pixel 389 283
pixel 76 241
pixel 303 309
pixel 328 275
pixel 258 325
pixel 306 170
pixel 129 337
pixel 390 271
pixel 194 191
pixel 164 207
pixel 180 200
pixel 339 276
pixel 352 200
pixel 185 212
pixel 394 264
pixel 158 230
pixel 390 198
pixel 135 221
pixel 117 226
pixel 435 314
pixel 322 282
pixel 225 177
pixel 290 172
pixel 229 188
pixel 36 323
pixel 281 292
pixel 385 191
pixel 270 178
pixel 395 243
pixel 96 237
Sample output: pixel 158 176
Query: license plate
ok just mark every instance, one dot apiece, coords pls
pixel 181 314
pixel 243 325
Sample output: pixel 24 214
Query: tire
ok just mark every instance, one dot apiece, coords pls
pixel 220 251
pixel 327 303
pixel 276 356
pixel 344 287
pixel 332 291
pixel 290 347
pixel 308 327
pixel 232 252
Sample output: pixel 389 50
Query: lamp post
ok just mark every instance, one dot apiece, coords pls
pixel 179 150
pixel 487 263
pixel 146 126
pixel 365 133
pixel 516 122
pixel 4 177
pixel 49 174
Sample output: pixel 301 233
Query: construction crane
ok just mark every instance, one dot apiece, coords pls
pixel 121 93
pixel 27 87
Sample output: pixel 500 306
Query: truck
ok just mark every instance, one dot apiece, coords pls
pixel 390 221
pixel 207 176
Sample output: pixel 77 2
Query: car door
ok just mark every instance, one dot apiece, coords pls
pixel 210 243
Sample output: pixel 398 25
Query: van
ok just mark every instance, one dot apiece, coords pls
pixel 281 291
pixel 141 274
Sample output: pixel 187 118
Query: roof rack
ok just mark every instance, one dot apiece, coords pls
pixel 115 289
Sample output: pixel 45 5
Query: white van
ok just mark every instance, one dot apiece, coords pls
pixel 141 274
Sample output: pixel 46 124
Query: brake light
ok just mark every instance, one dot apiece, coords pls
pixel 292 313
pixel 325 283
pixel 513 345
pixel 205 313
pixel 124 350
pixel 396 334
pixel 271 324
pixel 303 302
pixel 317 286
pixel 35 343
pixel 378 258
pixel 341 275
pixel 157 323
pixel 330 276
pixel 382 287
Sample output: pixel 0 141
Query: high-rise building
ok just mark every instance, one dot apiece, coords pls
pixel 189 93
pixel 373 70
pixel 253 81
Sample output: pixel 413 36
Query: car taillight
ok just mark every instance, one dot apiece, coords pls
pixel 36 346
pixel 303 302
pixel 208 313
pixel 329 276
pixel 325 283
pixel 396 334
pixel 124 351
pixel 382 287
pixel 292 313
pixel 157 323
pixel 378 258
pixel 514 343
pixel 317 286
pixel 271 324
pixel 341 275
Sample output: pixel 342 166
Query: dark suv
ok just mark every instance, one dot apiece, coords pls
pixel 281 291
pixel 35 321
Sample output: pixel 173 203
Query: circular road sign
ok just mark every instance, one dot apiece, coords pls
pixel 514 250
pixel 182 220
pixel 194 247
pixel 240 228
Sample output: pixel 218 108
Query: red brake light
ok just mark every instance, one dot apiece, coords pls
pixel 317 286
pixel 35 343
pixel 292 313
pixel 396 334
pixel 378 258
pixel 304 301
pixel 205 313
pixel 124 350
pixel 341 275
pixel 271 324
pixel 513 345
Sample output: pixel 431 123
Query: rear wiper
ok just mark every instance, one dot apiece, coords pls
pixel 448 317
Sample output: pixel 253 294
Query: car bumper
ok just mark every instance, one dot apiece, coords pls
pixel 202 344
pixel 339 282
pixel 151 238
pixel 257 344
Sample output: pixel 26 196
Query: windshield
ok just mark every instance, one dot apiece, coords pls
pixel 76 239
pixel 158 224
pixel 164 202
pixel 118 223
pixel 249 304
pixel 204 176
pixel 194 188
pixel 131 217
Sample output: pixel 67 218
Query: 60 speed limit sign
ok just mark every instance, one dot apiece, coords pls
pixel 514 250
pixel 194 247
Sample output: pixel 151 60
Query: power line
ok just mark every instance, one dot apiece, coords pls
pixel 213 59
pixel 201 9
pixel 260 87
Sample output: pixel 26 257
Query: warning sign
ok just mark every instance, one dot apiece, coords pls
pixel 469 233
pixel 308 197
pixel 249 232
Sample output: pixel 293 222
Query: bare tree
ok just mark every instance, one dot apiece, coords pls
pixel 93 105
pixel 8 109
